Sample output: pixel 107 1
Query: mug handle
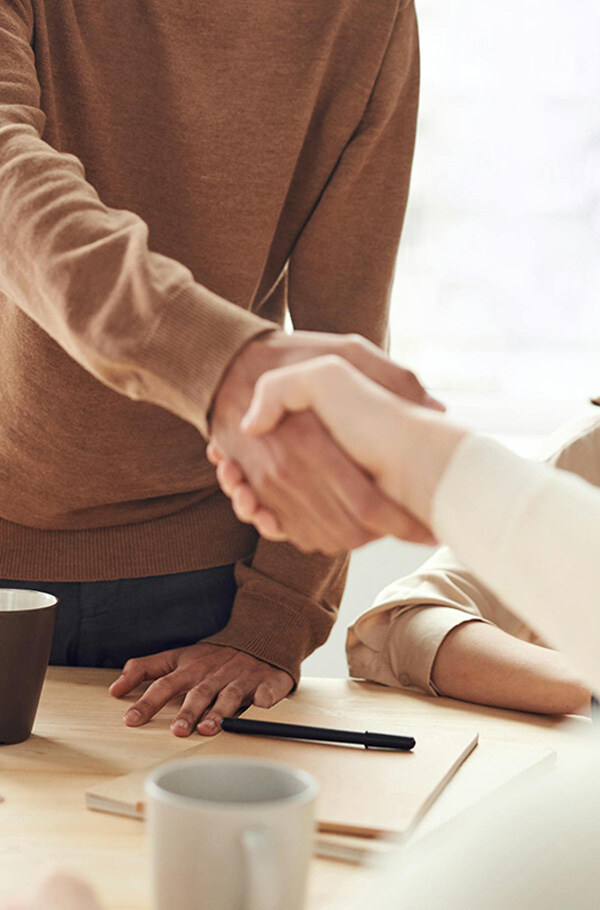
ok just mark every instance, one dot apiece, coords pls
pixel 262 877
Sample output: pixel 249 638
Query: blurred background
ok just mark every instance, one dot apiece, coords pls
pixel 496 302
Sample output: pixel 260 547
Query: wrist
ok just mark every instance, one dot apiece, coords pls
pixel 428 442
pixel 235 390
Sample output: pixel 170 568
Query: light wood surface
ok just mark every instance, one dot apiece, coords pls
pixel 80 740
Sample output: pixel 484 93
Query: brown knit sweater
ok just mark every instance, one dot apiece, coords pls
pixel 173 175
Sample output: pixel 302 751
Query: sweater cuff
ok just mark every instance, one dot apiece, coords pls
pixel 182 361
pixel 279 631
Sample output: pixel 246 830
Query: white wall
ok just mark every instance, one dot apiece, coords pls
pixel 498 282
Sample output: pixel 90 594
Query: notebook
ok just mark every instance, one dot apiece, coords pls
pixel 363 792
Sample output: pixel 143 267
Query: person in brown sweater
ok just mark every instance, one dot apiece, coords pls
pixel 175 176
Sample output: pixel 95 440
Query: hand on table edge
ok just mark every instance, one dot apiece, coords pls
pixel 215 680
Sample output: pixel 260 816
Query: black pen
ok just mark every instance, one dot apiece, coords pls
pixel 322 734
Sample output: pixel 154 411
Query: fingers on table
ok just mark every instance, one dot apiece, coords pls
pixel 263 689
pixel 136 671
pixel 222 694
pixel 209 701
pixel 156 697
pixel 269 692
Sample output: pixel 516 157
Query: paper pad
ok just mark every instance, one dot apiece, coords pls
pixel 365 792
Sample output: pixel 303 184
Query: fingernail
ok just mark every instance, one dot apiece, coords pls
pixel 180 726
pixel 133 716
pixel 208 724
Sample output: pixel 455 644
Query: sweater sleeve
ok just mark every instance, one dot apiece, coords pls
pixel 340 275
pixel 533 533
pixel 342 267
pixel 84 272
pixel 285 606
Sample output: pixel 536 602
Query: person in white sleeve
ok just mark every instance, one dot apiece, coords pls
pixel 529 531
pixel 532 532
pixel 441 631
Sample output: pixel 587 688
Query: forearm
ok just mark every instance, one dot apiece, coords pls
pixel 480 663
pixel 532 533
pixel 84 272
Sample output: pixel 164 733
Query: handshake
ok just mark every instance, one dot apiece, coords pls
pixel 322 441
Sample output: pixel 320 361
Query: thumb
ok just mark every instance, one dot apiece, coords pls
pixel 275 393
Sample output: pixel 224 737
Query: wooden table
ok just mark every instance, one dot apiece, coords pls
pixel 79 738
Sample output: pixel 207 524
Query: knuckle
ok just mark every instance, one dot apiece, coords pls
pixel 353 344
pixel 264 383
pixel 331 366
pixel 204 689
pixel 235 691
pixel 188 715
pixel 163 685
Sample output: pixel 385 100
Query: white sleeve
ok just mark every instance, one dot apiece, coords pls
pixel 532 534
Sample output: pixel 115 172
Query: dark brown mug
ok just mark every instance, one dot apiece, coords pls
pixel 26 626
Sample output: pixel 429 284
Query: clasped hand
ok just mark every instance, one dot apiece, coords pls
pixel 318 497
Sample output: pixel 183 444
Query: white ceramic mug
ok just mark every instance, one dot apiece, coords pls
pixel 229 834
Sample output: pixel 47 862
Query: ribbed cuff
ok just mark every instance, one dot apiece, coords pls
pixel 271 630
pixel 184 358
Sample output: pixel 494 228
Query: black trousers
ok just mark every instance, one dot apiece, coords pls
pixel 104 623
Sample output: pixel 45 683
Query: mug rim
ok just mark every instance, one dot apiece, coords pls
pixel 154 790
pixel 50 600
